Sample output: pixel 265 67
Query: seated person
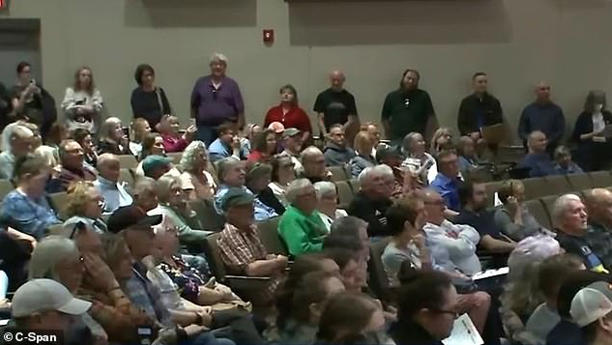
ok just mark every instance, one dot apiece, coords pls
pixel 551 274
pixel 73 169
pixel 114 193
pixel 564 163
pixel 512 216
pixel 336 152
pixel 300 226
pixel 590 310
pixel 404 182
pixel 84 138
pixel 427 309
pixel 418 161
pixel 196 176
pixel 474 213
pixel 537 159
pixel 26 209
pixel 140 128
pixel 85 205
pixel 112 138
pixel 266 204
pixel 447 181
pixel 239 244
pixel 282 174
pixel 327 203
pixel 460 241
pixel 570 220
pixel 155 166
pixel 364 158
pixel 20 144
pixel 231 173
pixel 169 127
pixel 264 146
pixel 292 142
pixel 373 200
pixel 466 149
pixel 309 298
pixel 598 202
pixel 227 144
pixel 312 162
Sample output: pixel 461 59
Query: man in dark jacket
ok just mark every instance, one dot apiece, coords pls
pixel 336 151
pixel 480 109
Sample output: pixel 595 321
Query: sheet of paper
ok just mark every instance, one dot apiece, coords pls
pixel 464 333
pixel 491 273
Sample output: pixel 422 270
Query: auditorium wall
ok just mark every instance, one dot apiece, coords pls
pixel 517 42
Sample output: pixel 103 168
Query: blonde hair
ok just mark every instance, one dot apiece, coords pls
pixel 78 196
pixel 164 186
pixel 363 143
pixel 107 127
pixel 137 127
pixel 440 132
pixel 47 254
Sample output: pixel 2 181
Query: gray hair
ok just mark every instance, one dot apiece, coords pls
pixel 225 164
pixel 377 170
pixel 47 254
pixel 164 185
pixel 347 226
pixel 561 205
pixel 295 187
pixel 144 184
pixel 309 152
pixel 324 188
pixel 190 153
pixel 218 57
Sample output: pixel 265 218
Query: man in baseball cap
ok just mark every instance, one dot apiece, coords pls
pixel 591 309
pixel 46 304
pixel 136 227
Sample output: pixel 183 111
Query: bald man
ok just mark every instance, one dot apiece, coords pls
pixel 543 115
pixel 114 192
pixel 538 160
pixel 599 233
pixel 335 105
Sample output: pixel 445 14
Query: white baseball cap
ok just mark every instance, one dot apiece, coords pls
pixel 39 295
pixel 591 303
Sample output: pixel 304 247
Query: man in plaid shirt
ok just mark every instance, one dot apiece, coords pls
pixel 240 247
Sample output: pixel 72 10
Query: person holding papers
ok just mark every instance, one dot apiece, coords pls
pixel 591 135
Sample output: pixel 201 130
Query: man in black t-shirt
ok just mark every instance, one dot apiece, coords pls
pixel 335 105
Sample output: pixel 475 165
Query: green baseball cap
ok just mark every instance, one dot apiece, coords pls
pixel 236 197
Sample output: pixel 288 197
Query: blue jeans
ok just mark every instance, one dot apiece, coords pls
pixel 206 134
pixel 207 338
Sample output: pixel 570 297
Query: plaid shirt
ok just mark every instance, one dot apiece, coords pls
pixel 240 248
pixel 599 239
pixel 143 294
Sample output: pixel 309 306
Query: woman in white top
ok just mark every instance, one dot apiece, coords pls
pixel 82 102
pixel 283 173
pixel 195 177
pixel 140 128
pixel 419 163
pixel 327 203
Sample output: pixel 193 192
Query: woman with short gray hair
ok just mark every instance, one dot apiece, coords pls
pixel 327 203
pixel 196 179
pixel 301 226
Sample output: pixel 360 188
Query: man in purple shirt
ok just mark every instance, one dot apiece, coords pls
pixel 216 99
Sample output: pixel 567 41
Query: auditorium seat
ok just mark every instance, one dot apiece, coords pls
pixel 556 184
pixel 176 157
pixel 268 233
pixel 206 216
pixel 355 185
pixel 6 186
pixel 534 187
pixel 345 194
pixel 579 181
pixel 127 161
pixel 538 211
pixel 339 173
pixel 492 188
pixel 125 175
pixel 548 202
pixel 600 179
pixel 378 278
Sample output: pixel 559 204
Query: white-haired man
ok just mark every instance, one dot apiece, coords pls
pixel 216 99
pixel 537 160
pixel 570 220
pixel 301 226
pixel 20 142
pixel 374 198
pixel 108 184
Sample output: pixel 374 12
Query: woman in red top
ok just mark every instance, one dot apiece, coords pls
pixel 264 147
pixel 169 127
pixel 289 113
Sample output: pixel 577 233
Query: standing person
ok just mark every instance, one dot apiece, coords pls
pixel 406 109
pixel 31 102
pixel 335 105
pixel 289 113
pixel 148 100
pixel 83 104
pixel 593 146
pixel 480 109
pixel 216 99
pixel 6 106
pixel 543 115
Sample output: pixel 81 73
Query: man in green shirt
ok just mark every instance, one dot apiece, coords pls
pixel 300 226
pixel 406 109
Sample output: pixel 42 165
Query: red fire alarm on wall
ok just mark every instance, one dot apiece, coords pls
pixel 268 36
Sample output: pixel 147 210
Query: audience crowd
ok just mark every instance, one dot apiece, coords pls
pixel 222 232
